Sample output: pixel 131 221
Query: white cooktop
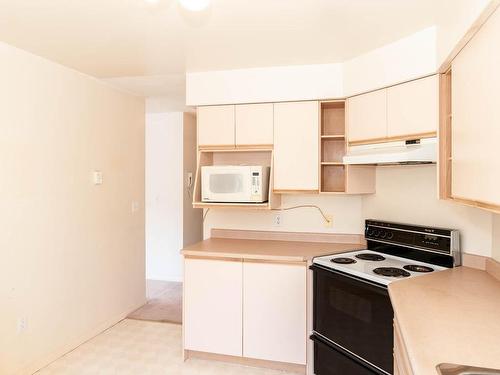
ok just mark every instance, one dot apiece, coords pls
pixel 364 268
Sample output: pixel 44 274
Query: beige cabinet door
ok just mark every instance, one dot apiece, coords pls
pixel 476 117
pixel 274 312
pixel 254 124
pixel 216 125
pixel 367 116
pixel 213 306
pixel 296 146
pixel 413 107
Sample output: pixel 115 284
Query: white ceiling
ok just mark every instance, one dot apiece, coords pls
pixel 133 38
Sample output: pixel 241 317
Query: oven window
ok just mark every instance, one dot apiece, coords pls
pixel 225 183
pixel 356 306
pixel 356 315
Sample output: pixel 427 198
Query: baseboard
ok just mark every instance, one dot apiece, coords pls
pixel 282 366
pixel 47 358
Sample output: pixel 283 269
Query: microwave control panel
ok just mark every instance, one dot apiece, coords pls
pixel 255 183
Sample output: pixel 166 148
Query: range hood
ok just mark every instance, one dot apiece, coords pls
pixel 419 151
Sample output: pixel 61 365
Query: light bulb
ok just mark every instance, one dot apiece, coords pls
pixel 194 5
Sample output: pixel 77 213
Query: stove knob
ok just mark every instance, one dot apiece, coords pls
pixel 383 234
pixel 370 232
pixel 376 233
pixel 390 236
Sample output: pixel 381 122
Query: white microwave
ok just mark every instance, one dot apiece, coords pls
pixel 235 183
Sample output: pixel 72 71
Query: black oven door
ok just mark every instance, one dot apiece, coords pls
pixel 355 314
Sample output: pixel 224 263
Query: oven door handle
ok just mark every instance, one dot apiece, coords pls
pixel 318 339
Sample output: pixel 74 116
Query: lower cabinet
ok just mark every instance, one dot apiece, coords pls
pixel 274 312
pixel 245 308
pixel 213 306
pixel 402 364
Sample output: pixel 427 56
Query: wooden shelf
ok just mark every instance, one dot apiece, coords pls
pixel 332 137
pixel 333 178
pixel 331 163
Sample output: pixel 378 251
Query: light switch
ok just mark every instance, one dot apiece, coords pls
pixel 97 178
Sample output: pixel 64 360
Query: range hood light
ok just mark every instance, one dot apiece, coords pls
pixel 423 151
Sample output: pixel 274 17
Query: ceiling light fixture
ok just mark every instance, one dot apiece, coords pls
pixel 194 5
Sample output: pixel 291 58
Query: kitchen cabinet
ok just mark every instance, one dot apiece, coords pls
pixel 367 116
pixel 274 312
pixel 216 126
pixel 246 308
pixel 213 306
pixel 475 129
pixel 405 111
pixel 413 107
pixel 402 364
pixel 254 124
pixel 296 147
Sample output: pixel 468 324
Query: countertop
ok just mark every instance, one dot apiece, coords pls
pixel 289 251
pixel 451 316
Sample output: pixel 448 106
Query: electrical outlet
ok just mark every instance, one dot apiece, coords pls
pixel 329 223
pixel 22 324
pixel 189 179
pixel 278 220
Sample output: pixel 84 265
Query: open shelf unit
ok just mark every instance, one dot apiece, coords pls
pixel 335 176
pixel 235 157
pixel 332 147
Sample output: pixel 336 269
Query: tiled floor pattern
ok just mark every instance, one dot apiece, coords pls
pixel 141 348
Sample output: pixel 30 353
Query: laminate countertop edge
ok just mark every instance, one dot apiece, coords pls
pixel 266 250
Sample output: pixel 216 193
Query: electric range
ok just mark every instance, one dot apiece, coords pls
pixel 352 312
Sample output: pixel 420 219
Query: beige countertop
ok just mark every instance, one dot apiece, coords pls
pixel 450 316
pixel 289 251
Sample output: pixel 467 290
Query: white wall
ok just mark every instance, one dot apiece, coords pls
pixel 192 217
pixel 269 84
pixel 164 195
pixel 71 252
pixel 455 17
pixel 346 212
pixel 409 194
pixel 408 58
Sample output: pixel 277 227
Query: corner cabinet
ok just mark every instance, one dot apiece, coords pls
pixel 470 122
pixel 296 147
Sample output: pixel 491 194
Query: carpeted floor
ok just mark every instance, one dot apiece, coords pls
pixel 141 348
pixel 164 303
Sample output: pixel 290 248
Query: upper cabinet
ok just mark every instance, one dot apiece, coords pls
pixel 254 124
pixel 216 126
pixel 367 116
pixel 296 147
pixel 405 111
pixel 469 140
pixel 413 108
pixel 235 125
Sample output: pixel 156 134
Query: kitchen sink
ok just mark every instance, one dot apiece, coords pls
pixel 454 369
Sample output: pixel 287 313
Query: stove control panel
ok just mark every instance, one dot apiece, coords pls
pixel 440 240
